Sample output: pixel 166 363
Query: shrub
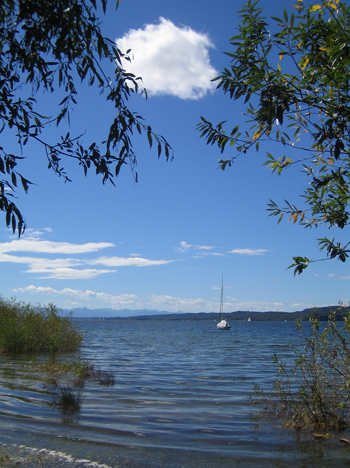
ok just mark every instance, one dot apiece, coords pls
pixel 314 390
pixel 28 328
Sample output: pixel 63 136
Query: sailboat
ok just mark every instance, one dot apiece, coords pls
pixel 223 324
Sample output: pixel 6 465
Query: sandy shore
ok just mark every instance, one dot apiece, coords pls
pixel 20 456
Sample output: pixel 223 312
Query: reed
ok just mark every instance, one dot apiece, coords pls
pixel 27 328
pixel 68 399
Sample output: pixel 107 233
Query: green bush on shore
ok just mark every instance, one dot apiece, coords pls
pixel 28 328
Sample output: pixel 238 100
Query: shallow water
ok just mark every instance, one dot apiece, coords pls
pixel 181 399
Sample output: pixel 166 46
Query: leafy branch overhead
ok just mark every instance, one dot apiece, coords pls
pixel 51 47
pixel 293 75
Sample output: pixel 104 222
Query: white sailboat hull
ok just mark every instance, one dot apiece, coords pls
pixel 223 325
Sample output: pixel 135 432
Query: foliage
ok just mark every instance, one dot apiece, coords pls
pixel 293 76
pixel 25 328
pixel 314 391
pixel 56 48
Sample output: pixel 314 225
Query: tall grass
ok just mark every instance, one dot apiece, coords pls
pixel 28 328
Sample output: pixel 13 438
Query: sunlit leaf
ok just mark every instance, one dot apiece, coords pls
pixel 305 64
pixel 256 134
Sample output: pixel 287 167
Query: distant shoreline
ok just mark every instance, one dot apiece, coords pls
pixel 241 316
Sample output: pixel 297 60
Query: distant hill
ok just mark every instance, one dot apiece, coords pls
pixel 146 314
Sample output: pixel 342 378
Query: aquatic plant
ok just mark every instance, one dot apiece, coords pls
pixel 68 379
pixel 76 367
pixel 28 328
pixel 104 378
pixel 313 391
pixel 68 399
pixel 88 372
pixel 78 372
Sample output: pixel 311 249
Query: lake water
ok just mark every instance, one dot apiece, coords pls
pixel 180 399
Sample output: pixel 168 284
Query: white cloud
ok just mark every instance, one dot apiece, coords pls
pixel 130 301
pixel 175 304
pixel 171 60
pixel 197 251
pixel 57 268
pixel 248 251
pixel 97 299
pixel 185 247
pixel 116 301
pixel 67 273
pixel 121 261
pixel 37 263
pixel 67 268
pixel 38 246
pixel 36 233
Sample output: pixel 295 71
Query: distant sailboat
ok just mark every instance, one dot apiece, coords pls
pixel 223 324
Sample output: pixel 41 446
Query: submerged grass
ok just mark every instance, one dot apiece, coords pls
pixel 68 380
pixel 79 371
pixel 76 367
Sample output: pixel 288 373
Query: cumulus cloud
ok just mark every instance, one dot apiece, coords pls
pixel 68 267
pixel 171 60
pixel 248 251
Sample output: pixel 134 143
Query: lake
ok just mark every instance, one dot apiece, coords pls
pixel 180 399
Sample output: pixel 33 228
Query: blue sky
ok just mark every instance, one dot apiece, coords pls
pixel 164 242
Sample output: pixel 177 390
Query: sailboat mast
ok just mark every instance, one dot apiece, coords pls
pixel 222 298
pixel 223 324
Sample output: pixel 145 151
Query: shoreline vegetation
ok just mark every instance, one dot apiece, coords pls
pixel 312 391
pixel 46 331
pixel 25 328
